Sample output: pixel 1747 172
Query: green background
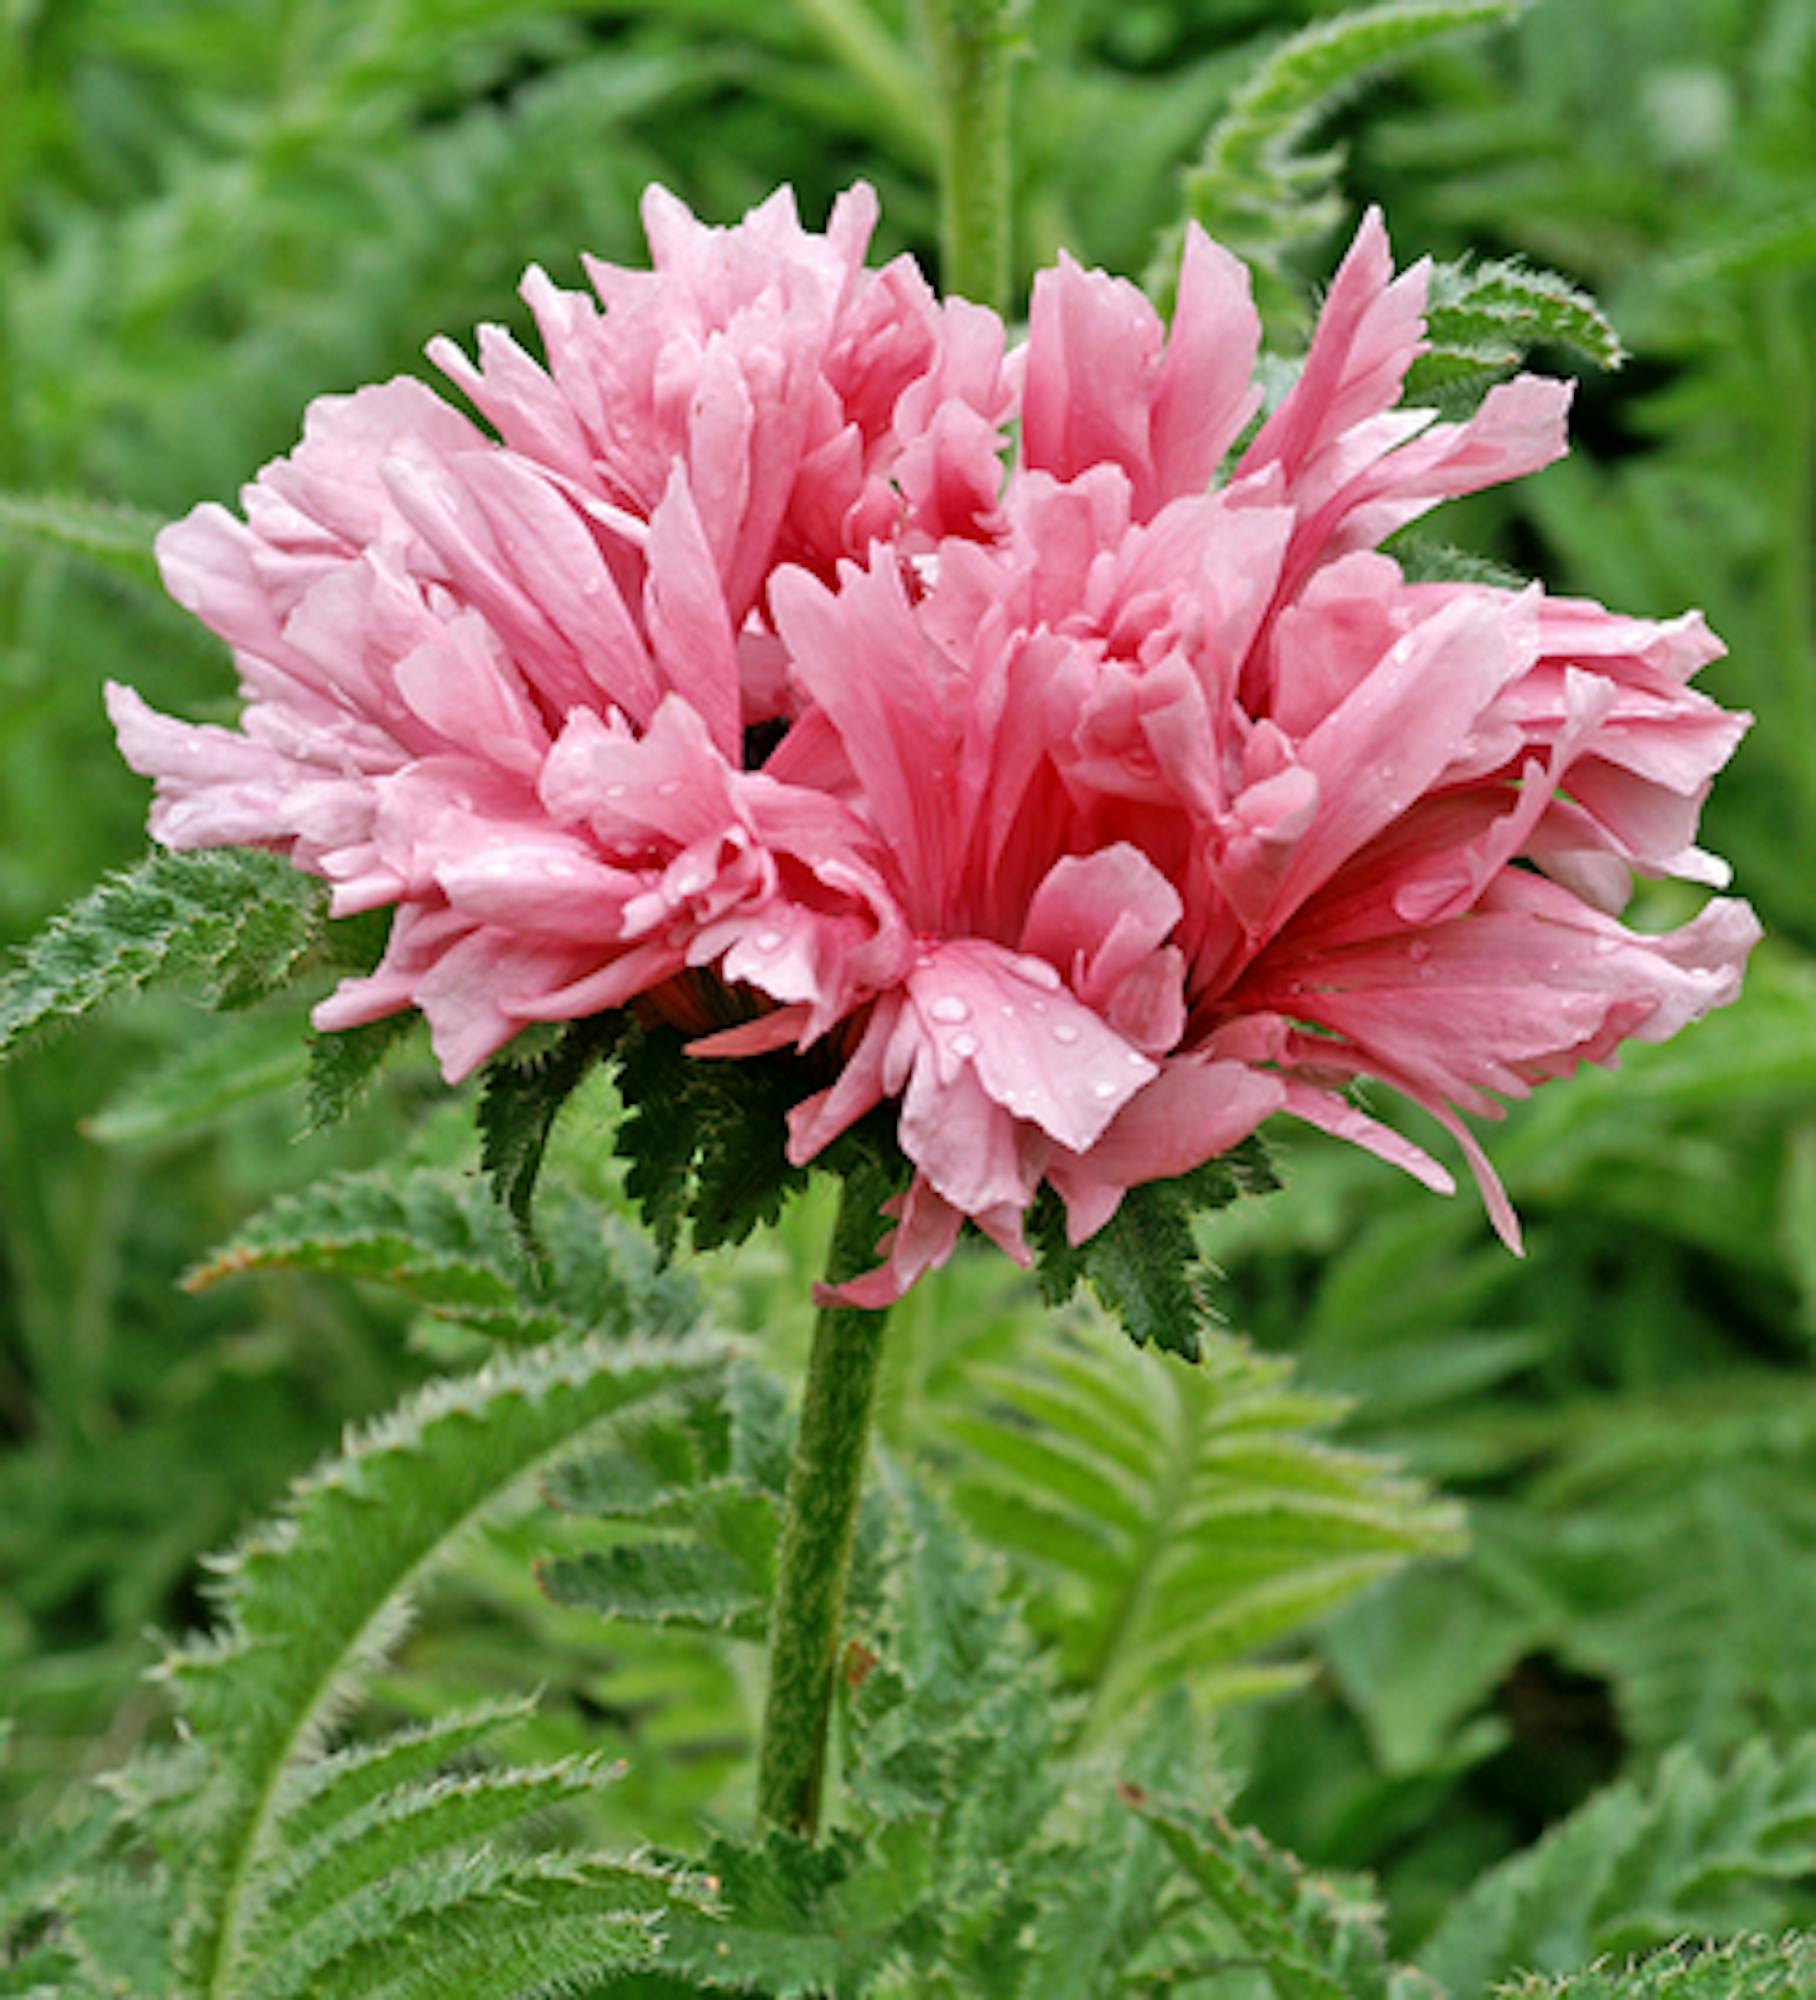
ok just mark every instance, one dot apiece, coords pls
pixel 211 210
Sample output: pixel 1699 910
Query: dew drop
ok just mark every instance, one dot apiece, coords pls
pixel 616 791
pixel 768 940
pixel 1064 1032
pixel 1105 1088
pixel 668 788
pixel 1038 1006
pixel 1137 1061
pixel 964 1045
pixel 949 1007
pixel 1418 951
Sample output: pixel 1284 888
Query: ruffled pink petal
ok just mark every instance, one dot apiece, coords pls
pixel 861 657
pixel 1040 1054
pixel 1370 332
pixel 1205 393
pixel 1106 385
pixel 1196 1108
pixel 690 628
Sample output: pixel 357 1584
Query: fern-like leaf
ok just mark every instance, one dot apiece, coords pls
pixel 233 923
pixel 496 1931
pixel 1748 1969
pixel 1313 1941
pixel 316 1796
pixel 312 1603
pixel 1693 1853
pixel 323 1897
pixel 1171 1521
pixel 1482 319
pixel 1254 188
pixel 438 1238
pixel 798 1919
pixel 698 1486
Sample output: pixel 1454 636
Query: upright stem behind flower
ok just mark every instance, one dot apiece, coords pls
pixel 969 43
pixel 825 1483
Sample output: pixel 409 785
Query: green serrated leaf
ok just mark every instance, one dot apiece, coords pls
pixel 317 1795
pixel 497 1931
pixel 231 923
pixel 310 1604
pixel 1105 1898
pixel 1757 1968
pixel 1145 1263
pixel 706 1141
pixel 1689 1854
pixel 697 1586
pixel 407 1826
pixel 433 1235
pixel 1483 319
pixel 796 1919
pixel 522 1098
pixel 1313 1941
pixel 1437 562
pixel 700 1477
pixel 440 1239
pixel 341 1067
pixel 1169 1521
pixel 1253 189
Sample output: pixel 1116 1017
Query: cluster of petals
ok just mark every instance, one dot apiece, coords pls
pixel 1087 805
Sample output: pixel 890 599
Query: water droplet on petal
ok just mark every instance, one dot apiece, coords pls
pixel 768 940
pixel 668 788
pixel 1105 1088
pixel 949 1007
pixel 616 791
pixel 964 1045
pixel 1039 1006
pixel 1137 1061
pixel 1418 951
pixel 1063 1031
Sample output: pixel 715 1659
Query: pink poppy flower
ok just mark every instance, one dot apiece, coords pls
pixel 420 612
pixel 1088 815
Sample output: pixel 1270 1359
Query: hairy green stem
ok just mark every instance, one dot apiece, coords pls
pixel 969 43
pixel 824 1485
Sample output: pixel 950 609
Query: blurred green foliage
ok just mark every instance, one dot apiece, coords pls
pixel 211 210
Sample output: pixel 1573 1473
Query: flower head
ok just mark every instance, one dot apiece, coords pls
pixel 1088 813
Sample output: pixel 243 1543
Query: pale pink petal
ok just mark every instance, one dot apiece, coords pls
pixel 1205 393
pixel 689 627
pixel 925 1235
pixel 862 658
pixel 1094 345
pixel 1039 1053
pixel 1370 332
pixel 1196 1108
